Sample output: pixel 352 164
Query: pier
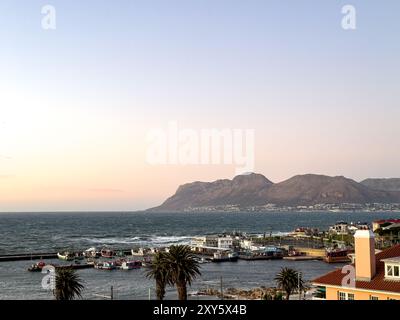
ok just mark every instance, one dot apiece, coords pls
pixel 28 256
pixel 42 256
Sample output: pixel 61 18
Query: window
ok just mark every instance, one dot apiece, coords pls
pixel 373 298
pixel 342 295
pixel 396 271
pixel 389 270
pixel 392 271
pixel 345 296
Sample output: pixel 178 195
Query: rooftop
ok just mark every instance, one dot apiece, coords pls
pixel 378 283
pixel 387 220
pixel 392 260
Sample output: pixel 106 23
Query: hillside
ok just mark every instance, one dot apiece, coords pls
pixel 255 190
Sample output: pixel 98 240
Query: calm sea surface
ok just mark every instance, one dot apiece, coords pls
pixel 44 232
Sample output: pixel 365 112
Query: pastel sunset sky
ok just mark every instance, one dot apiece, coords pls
pixel 77 102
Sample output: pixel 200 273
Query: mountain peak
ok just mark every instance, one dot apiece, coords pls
pixel 254 189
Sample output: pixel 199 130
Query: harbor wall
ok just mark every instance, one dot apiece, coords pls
pixel 311 252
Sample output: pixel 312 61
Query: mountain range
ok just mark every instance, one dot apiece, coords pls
pixel 255 190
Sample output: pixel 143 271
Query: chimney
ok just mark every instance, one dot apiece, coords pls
pixel 365 255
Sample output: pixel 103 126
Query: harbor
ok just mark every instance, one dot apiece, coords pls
pixel 17 283
pixel 243 260
pixel 333 245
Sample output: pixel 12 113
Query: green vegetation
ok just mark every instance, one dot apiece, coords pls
pixel 184 268
pixel 289 280
pixel 273 295
pixel 177 267
pixel 159 271
pixel 68 285
pixel 348 239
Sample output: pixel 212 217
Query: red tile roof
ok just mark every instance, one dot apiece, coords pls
pixel 387 220
pixel 378 283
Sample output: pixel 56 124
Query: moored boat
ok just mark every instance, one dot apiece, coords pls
pixel 225 257
pixel 146 261
pixel 130 265
pixel 108 265
pixel 67 256
pixel 139 252
pixel 37 267
pixel 91 253
pixel 107 253
pixel 337 255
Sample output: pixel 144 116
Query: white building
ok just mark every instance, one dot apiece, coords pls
pixel 225 242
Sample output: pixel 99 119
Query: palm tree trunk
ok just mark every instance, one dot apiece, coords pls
pixel 182 291
pixel 160 290
pixel 287 295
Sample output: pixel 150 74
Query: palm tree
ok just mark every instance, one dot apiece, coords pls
pixel 289 280
pixel 160 271
pixel 183 268
pixel 68 284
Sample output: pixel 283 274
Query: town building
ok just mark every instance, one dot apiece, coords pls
pixel 340 228
pixel 385 224
pixel 373 276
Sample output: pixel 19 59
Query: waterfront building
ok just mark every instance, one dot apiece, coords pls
pixel 340 228
pixel 385 224
pixel 373 276
pixel 225 242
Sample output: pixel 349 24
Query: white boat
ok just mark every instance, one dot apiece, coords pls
pixel 140 252
pixel 225 256
pixel 130 265
pixel 105 265
pixel 65 256
pixel 91 253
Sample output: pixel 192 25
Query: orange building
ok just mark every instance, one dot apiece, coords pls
pixel 371 277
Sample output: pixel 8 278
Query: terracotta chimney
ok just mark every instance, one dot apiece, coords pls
pixel 365 255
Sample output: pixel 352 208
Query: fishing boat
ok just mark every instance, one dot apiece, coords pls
pixel 146 262
pixel 337 255
pixel 202 260
pixel 107 253
pixel 91 253
pixel 37 267
pixel 69 256
pixel 130 265
pixel 108 265
pixel 141 252
pixel 295 253
pixel 66 256
pixel 262 253
pixel 225 257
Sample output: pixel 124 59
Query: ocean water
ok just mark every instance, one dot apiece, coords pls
pixel 44 232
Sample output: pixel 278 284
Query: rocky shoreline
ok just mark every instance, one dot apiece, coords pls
pixel 261 293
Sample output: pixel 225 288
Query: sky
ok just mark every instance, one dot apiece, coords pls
pixel 77 103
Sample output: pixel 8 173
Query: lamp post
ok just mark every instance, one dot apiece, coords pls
pixel 298 284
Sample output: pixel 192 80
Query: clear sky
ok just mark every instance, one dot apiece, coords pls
pixel 77 103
